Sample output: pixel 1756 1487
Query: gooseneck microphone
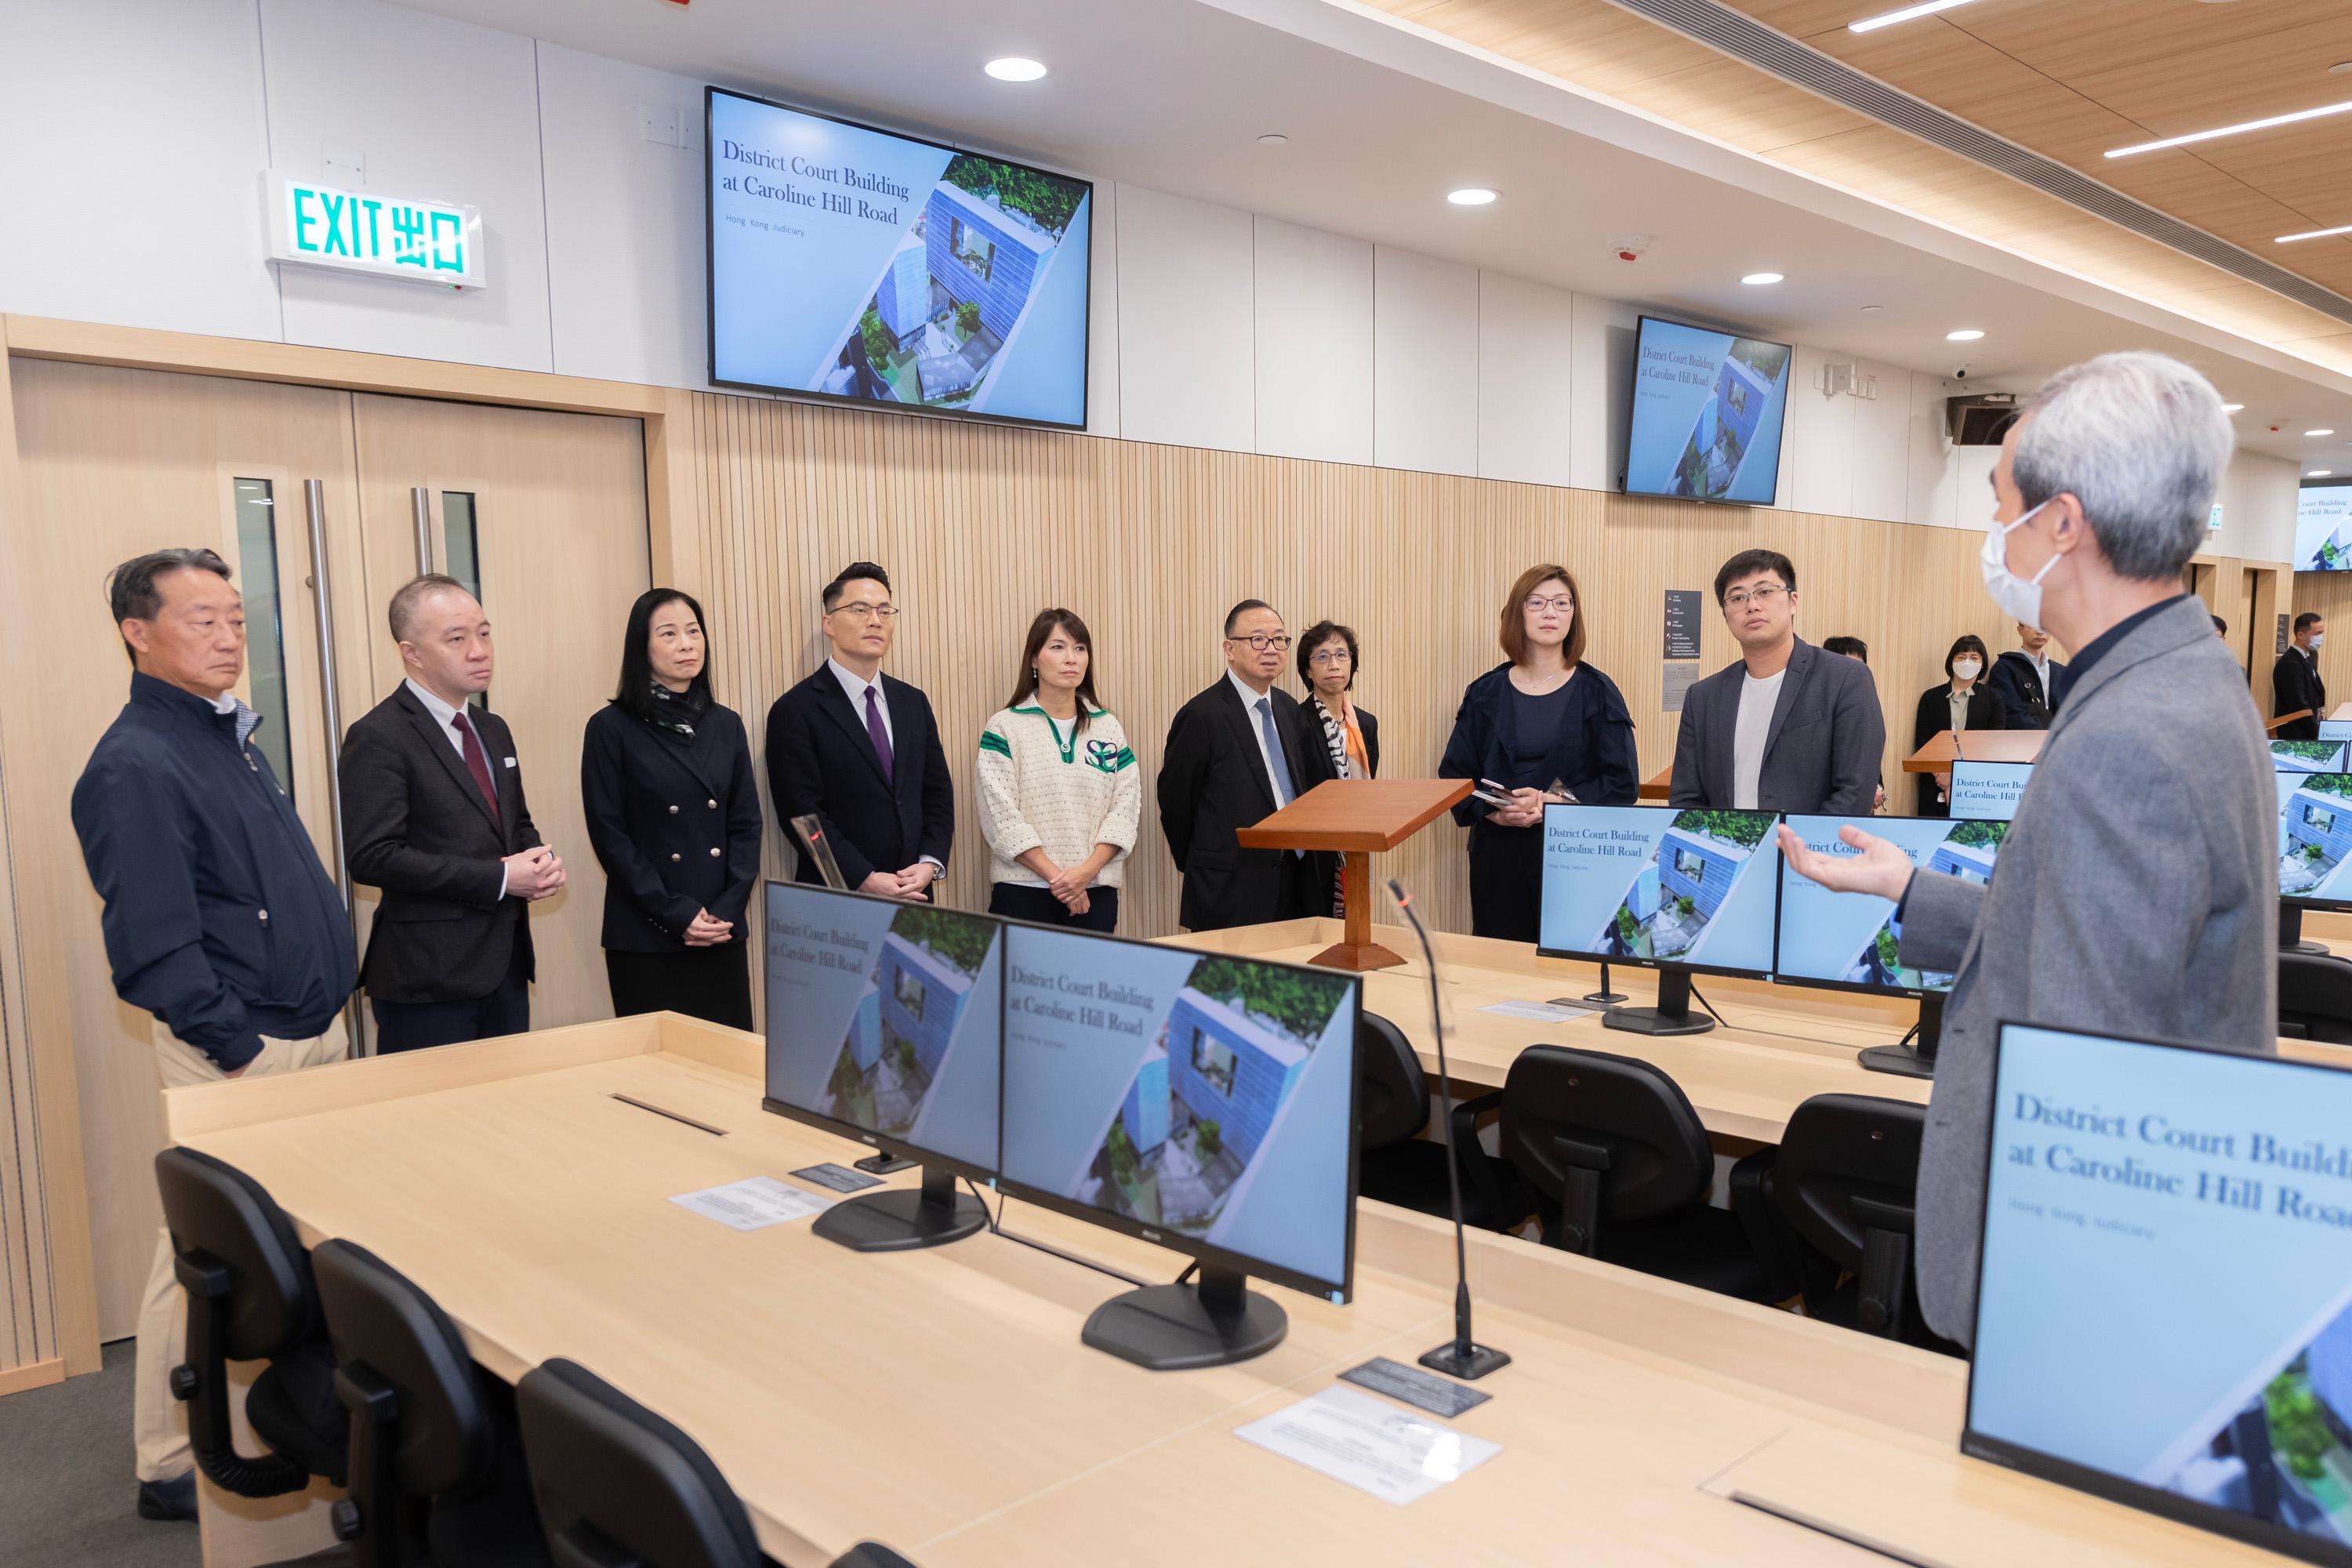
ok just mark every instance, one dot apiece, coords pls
pixel 1462 1356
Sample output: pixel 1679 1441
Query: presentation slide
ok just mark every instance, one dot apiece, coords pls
pixel 2314 836
pixel 1988 791
pixel 2166 1291
pixel 1650 882
pixel 884 1016
pixel 1707 414
pixel 857 264
pixel 2335 730
pixel 1206 1096
pixel 2323 528
pixel 2325 756
pixel 1854 939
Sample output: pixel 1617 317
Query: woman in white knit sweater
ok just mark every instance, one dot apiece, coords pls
pixel 1060 790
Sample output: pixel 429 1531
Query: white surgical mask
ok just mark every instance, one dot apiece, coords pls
pixel 2317 638
pixel 2019 598
pixel 1968 668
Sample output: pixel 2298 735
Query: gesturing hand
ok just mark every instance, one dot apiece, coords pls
pixel 1882 869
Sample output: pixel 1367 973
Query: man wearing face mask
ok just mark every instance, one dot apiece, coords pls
pixel 2294 679
pixel 2024 680
pixel 2136 891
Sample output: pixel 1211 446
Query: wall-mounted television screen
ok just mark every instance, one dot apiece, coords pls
pixel 850 263
pixel 1707 409
pixel 2323 528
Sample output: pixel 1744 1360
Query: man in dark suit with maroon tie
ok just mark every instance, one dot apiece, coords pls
pixel 434 813
pixel 860 751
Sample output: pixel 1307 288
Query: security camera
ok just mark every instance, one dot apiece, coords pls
pixel 1961 374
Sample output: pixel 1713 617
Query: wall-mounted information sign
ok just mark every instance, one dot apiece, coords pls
pixel 315 225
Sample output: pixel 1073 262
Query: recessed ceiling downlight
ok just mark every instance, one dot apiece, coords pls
pixel 1471 196
pixel 1014 68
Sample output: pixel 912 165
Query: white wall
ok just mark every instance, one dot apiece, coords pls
pixel 1209 326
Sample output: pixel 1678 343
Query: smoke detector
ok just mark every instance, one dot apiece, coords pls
pixel 1629 246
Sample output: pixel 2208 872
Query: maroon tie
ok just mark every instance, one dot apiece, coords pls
pixel 476 762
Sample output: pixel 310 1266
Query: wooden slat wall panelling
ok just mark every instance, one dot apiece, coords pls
pixel 981 526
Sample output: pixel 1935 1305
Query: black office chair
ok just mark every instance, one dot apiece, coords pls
pixel 1608 1152
pixel 250 1298
pixel 435 1458
pixel 1843 1182
pixel 2316 998
pixel 618 1487
pixel 1394 1163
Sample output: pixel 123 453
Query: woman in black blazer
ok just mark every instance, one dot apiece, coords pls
pixel 674 817
pixel 1964 699
pixel 1337 740
pixel 1550 727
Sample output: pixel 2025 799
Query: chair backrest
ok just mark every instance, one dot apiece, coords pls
pixel 445 1436
pixel 211 1206
pixel 1391 1095
pixel 2316 995
pixel 613 1480
pixel 1562 1105
pixel 1848 1164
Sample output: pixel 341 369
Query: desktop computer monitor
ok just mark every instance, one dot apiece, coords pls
pixel 1851 941
pixel 884 1022
pixel 1681 891
pixel 2315 840
pixel 2163 1307
pixel 1988 792
pixel 1196 1099
pixel 2307 756
pixel 2336 728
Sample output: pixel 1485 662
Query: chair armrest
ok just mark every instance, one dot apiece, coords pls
pixel 1486 1177
pixel 1769 1237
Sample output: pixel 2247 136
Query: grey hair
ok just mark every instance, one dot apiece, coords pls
pixel 2141 440
pixel 131 591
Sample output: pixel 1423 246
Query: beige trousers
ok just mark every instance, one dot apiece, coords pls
pixel 159 1421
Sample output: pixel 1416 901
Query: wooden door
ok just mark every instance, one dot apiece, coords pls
pixel 545 514
pixel 115 463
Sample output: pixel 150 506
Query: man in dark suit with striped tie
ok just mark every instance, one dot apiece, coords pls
pixel 859 751
pixel 433 812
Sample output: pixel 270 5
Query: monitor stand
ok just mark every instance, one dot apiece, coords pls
pixel 930 1216
pixel 1914 1060
pixel 2291 934
pixel 1672 1015
pixel 1213 1322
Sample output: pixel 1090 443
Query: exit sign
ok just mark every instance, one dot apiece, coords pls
pixel 315 225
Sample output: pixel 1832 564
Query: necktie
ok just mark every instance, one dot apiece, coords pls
pixel 880 736
pixel 1274 755
pixel 476 763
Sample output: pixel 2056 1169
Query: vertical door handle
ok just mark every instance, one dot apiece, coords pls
pixel 420 505
pixel 314 505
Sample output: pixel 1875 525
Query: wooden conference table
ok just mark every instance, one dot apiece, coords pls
pixel 941 1401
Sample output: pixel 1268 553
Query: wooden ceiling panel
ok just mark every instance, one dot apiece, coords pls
pixel 2222 84
pixel 1728 100
pixel 2069 39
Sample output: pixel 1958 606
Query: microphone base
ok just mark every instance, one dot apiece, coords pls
pixel 1481 1360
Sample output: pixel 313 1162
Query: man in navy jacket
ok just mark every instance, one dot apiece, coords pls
pixel 218 918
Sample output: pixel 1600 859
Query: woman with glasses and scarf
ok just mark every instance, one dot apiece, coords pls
pixel 673 817
pixel 1059 793
pixel 1548 727
pixel 1338 740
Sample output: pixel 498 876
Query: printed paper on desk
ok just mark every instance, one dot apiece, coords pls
pixel 1541 1012
pixel 753 1203
pixel 1370 1444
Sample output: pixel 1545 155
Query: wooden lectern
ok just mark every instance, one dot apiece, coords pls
pixel 1356 816
pixel 1943 749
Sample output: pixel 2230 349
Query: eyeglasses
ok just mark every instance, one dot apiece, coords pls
pixel 864 612
pixel 1762 593
pixel 1262 641
pixel 1330 655
pixel 1536 605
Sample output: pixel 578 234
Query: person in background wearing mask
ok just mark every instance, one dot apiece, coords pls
pixel 1961 700
pixel 434 809
pixel 2137 888
pixel 2294 679
pixel 2025 680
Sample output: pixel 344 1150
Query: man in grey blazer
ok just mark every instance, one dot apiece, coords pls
pixel 1788 727
pixel 2137 890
